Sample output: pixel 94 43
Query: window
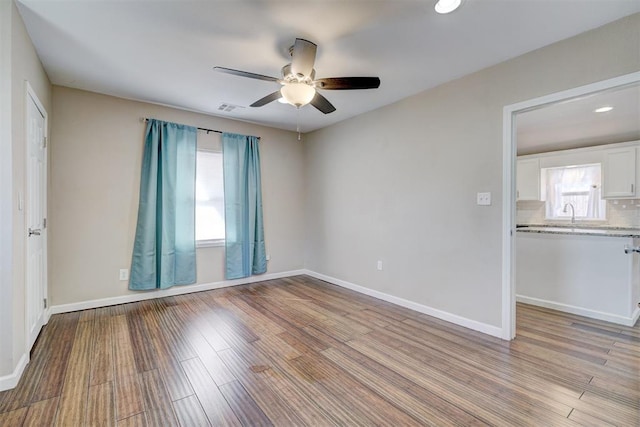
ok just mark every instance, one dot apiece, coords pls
pixel 579 186
pixel 209 198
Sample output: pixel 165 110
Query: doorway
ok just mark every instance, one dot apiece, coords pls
pixel 509 184
pixel 35 216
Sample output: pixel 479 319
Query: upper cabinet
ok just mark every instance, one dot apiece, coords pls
pixel 528 179
pixel 619 173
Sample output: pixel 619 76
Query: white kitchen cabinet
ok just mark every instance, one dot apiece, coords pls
pixel 580 274
pixel 528 179
pixel 619 173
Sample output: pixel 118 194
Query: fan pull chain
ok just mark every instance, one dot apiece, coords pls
pixel 298 122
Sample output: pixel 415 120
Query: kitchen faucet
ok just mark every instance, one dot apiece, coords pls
pixel 573 212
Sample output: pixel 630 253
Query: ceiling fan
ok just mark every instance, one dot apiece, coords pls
pixel 299 86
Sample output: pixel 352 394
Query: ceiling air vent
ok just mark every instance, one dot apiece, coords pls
pixel 227 108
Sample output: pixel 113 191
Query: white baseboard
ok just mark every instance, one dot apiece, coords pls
pixel 10 381
pixel 581 311
pixel 446 316
pixel 176 290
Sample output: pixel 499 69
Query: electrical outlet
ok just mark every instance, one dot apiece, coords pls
pixel 379 265
pixel 268 257
pixel 484 199
pixel 124 274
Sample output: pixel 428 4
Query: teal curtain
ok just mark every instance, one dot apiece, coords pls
pixel 244 230
pixel 164 251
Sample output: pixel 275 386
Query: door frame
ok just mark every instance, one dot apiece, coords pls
pixel 30 94
pixel 7 199
pixel 509 150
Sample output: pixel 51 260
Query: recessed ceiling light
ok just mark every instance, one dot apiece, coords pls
pixel 602 109
pixel 447 6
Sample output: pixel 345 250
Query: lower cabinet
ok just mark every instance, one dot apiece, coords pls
pixel 586 275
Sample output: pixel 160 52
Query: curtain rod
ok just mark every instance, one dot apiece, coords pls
pixel 146 119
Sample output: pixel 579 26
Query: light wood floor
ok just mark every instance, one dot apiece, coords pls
pixel 299 352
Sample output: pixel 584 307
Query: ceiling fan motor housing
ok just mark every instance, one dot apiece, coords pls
pixel 289 77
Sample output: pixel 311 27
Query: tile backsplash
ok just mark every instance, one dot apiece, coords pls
pixel 620 213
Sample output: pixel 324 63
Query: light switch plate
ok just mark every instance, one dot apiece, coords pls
pixel 484 199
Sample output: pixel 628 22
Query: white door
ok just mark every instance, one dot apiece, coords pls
pixel 35 211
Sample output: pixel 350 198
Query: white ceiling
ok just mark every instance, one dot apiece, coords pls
pixel 164 51
pixel 575 124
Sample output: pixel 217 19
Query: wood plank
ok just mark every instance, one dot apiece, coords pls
pixel 259 324
pixel 128 394
pixel 172 330
pixel 174 378
pixel 226 320
pixel 426 411
pixel 539 361
pixel 193 318
pixel 611 410
pixel 587 420
pixel 145 354
pixel 73 401
pixel 138 420
pixel 100 409
pixel 306 397
pixel 629 388
pixel 514 389
pixel 349 394
pixel 243 405
pixel 13 418
pixel 392 378
pixel 190 412
pixel 487 407
pixel 87 316
pixel 42 413
pixel 102 361
pixel 213 402
pixel 44 375
pixel 269 400
pixel 518 371
pixel 159 411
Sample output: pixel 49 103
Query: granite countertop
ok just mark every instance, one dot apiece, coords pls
pixel 579 229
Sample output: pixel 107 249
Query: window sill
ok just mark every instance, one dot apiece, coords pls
pixel 209 243
pixel 584 221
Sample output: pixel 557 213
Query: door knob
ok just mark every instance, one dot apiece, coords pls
pixel 35 232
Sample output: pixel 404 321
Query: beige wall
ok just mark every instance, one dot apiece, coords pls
pixel 399 184
pixel 25 67
pixel 96 149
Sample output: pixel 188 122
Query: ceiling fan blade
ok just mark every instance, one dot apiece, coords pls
pixel 348 83
pixel 303 57
pixel 267 99
pixel 246 74
pixel 322 104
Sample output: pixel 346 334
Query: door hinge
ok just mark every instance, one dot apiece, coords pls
pixel 45 142
pixel 44 223
pixel 45 303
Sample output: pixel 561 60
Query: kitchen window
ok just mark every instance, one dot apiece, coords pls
pixel 209 198
pixel 580 186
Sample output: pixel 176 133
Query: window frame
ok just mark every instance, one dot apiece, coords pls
pixel 209 243
pixel 543 185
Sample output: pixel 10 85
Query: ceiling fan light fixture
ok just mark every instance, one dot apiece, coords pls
pixel 298 94
pixel 447 6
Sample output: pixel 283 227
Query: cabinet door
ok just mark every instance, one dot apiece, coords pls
pixel 528 179
pixel 619 179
